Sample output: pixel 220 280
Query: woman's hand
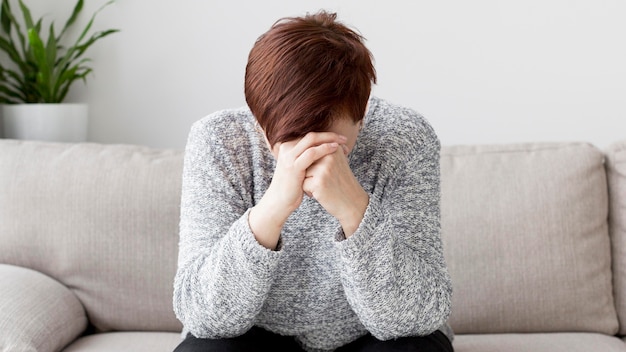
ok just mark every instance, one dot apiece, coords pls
pixel 331 182
pixel 284 195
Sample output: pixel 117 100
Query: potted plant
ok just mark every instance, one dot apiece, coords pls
pixel 42 71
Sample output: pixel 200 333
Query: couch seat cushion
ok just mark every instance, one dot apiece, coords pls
pixel 556 342
pixel 127 342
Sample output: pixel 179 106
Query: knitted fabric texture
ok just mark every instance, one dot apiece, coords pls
pixel 389 278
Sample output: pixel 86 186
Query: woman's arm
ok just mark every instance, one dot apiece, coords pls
pixel 227 256
pixel 285 192
pixel 223 274
pixel 393 270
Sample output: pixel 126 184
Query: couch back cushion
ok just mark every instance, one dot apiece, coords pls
pixel 616 174
pixel 526 238
pixel 101 219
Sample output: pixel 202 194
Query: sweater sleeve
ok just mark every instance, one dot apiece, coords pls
pixel 393 269
pixel 223 274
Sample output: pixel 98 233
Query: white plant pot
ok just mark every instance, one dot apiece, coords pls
pixel 46 122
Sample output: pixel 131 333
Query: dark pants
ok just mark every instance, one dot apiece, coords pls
pixel 257 339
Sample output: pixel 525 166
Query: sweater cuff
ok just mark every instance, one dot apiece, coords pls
pixel 263 260
pixel 365 233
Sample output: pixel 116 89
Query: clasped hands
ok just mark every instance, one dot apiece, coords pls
pixel 315 165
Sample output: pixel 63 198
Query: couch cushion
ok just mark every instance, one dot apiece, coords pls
pixel 127 342
pixel 564 342
pixel 526 238
pixel 616 174
pixel 36 312
pixel 101 219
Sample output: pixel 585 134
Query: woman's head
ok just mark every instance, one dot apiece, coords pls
pixel 305 73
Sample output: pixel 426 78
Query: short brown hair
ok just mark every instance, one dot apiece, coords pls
pixel 304 73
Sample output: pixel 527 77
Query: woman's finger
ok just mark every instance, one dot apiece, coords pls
pixel 313 139
pixel 312 154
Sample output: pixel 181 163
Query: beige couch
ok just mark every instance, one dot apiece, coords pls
pixel 535 238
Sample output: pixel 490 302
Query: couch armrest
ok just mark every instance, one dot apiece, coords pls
pixel 37 313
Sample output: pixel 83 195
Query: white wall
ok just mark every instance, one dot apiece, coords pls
pixel 482 71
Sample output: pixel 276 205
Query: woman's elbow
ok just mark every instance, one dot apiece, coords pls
pixel 204 320
pixel 436 311
pixel 423 318
pixel 422 325
pixel 205 328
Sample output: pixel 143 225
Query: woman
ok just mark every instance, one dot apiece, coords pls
pixel 310 220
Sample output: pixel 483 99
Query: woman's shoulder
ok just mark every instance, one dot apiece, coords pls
pixel 399 125
pixel 230 135
pixel 226 123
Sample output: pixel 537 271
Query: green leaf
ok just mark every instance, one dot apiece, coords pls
pixel 77 9
pixel 77 50
pixel 6 11
pixel 51 48
pixel 4 17
pixel 41 60
pixel 9 92
pixel 80 49
pixel 5 100
pixel 69 77
pixel 28 19
pixel 38 25
pixel 11 51
pixel 93 17
pixel 15 76
pixel 7 87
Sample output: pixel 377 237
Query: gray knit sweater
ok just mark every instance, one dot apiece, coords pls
pixel 389 278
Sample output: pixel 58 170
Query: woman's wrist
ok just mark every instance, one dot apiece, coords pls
pixel 266 222
pixel 354 216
